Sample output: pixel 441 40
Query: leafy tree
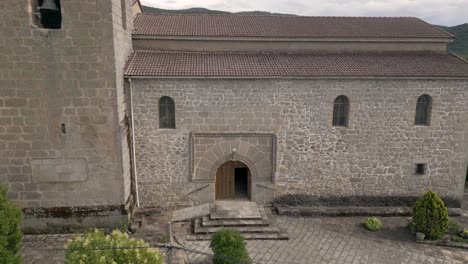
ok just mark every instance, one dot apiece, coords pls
pixel 10 233
pixel 98 248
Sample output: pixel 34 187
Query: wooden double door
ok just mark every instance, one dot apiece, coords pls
pixel 233 181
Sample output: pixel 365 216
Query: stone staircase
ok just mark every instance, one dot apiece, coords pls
pixel 246 217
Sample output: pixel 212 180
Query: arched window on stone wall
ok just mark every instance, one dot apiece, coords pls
pixel 423 110
pixel 341 111
pixel 166 112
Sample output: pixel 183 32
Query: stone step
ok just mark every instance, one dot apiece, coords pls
pixel 235 215
pixel 199 229
pixel 235 210
pixel 247 236
pixel 230 215
pixel 207 222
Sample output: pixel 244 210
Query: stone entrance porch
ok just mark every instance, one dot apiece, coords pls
pixel 249 218
pixel 215 157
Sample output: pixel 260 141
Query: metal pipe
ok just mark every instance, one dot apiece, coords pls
pixel 133 143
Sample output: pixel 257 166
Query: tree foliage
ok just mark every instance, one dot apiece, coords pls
pixel 10 233
pixel 98 248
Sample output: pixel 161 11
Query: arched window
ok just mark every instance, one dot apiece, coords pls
pixel 166 112
pixel 423 110
pixel 341 111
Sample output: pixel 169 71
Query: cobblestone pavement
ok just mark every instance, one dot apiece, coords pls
pixel 312 240
pixel 340 240
pixel 44 249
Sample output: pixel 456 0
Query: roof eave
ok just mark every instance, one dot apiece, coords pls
pixel 271 39
pixel 304 77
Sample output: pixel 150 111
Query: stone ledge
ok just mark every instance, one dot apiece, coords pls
pixel 351 211
pixel 56 220
pixel 73 211
pixel 354 200
pixel 444 243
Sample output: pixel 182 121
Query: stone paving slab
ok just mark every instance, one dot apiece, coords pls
pixel 236 210
pixel 339 240
pixel 191 212
pixel 312 240
pixel 40 249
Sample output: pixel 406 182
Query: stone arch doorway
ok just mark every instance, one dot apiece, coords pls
pixel 233 181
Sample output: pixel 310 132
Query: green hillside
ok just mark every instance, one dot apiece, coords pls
pixel 200 10
pixel 460 44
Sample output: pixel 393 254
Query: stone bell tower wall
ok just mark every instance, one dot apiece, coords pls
pixel 63 136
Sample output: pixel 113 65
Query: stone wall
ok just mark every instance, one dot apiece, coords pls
pixel 61 106
pixel 373 157
pixel 122 40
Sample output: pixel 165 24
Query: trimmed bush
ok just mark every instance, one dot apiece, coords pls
pixel 96 247
pixel 373 224
pixel 430 216
pixel 229 248
pixel 454 228
pixel 10 234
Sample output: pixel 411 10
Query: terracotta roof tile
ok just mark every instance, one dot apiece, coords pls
pixel 284 26
pixel 236 64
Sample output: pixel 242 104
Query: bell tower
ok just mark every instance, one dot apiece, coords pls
pixel 63 137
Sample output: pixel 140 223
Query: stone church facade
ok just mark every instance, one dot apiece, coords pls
pixel 167 111
pixel 267 99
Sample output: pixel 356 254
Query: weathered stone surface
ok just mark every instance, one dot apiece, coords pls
pixel 71 76
pixel 374 156
pixel 190 213
pixel 59 170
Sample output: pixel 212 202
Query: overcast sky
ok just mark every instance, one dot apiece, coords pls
pixel 440 12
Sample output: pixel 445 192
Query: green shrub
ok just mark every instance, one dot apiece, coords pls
pixel 373 224
pixel 229 248
pixel 430 216
pixel 454 227
pixel 460 239
pixel 96 247
pixel 10 234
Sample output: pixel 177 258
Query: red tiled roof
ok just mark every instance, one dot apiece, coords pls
pixel 237 64
pixel 284 26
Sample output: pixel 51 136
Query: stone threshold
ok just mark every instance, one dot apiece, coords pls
pixel 351 211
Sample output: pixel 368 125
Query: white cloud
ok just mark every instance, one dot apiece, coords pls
pixel 441 12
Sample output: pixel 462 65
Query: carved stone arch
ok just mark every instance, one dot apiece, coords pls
pixel 242 159
pixel 219 153
pixel 209 151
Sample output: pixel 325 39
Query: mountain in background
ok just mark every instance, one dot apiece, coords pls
pixel 200 10
pixel 459 46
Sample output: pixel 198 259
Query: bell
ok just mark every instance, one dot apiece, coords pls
pixel 51 17
pixel 49 4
